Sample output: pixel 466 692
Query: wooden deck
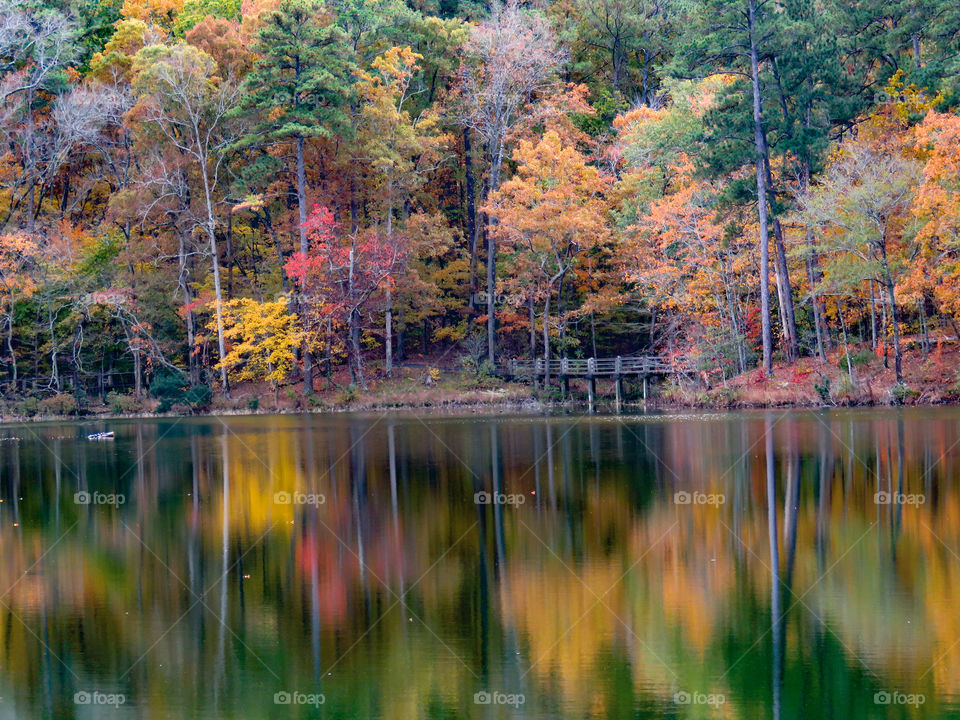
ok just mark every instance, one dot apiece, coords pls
pixel 616 369
pixel 640 365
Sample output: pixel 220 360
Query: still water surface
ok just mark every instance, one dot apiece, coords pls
pixel 761 565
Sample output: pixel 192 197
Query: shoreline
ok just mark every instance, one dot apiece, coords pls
pixel 807 384
pixel 511 406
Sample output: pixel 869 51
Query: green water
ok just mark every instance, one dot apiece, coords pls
pixel 684 566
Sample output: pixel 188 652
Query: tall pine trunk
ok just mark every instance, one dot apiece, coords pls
pixel 761 195
pixel 784 287
pixel 304 247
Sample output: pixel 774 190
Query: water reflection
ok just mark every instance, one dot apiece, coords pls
pixel 757 565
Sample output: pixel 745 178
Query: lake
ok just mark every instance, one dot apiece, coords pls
pixel 753 565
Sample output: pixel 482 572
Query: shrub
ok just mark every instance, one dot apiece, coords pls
pixel 844 391
pixel 28 407
pixel 59 404
pixel 900 393
pixel 174 393
pixel 482 371
pixel 198 396
pixel 822 386
pixel 124 404
pixel 347 395
pixel 253 403
pixel 728 396
pixel 858 359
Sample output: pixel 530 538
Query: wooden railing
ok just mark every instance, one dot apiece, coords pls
pixel 594 367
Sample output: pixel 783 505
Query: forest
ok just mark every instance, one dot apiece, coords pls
pixel 199 194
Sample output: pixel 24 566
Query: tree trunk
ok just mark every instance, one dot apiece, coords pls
pixel 137 373
pixel 388 316
pixel 302 195
pixel 13 355
pixel 781 269
pixel 54 370
pixel 894 320
pixel 761 195
pixel 388 334
pixel 785 292
pixel 472 234
pixel 533 337
pixel 846 341
pixel 182 281
pixel 356 370
pixel 815 302
pixel 28 164
pixel 546 340
pixel 304 248
pixel 495 165
pixel 230 254
pixel 218 293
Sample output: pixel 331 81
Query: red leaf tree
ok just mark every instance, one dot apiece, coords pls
pixel 341 279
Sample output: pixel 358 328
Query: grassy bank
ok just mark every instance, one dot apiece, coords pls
pixel 930 378
pixel 409 387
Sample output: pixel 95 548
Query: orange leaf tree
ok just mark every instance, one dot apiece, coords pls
pixel 549 216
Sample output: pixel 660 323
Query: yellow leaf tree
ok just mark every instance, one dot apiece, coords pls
pixel 398 150
pixel 262 336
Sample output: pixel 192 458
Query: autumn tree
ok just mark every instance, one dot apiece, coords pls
pixel 263 339
pixel 188 106
pixel 340 280
pixel 17 251
pixel 35 48
pixel 937 207
pixel 400 150
pixel 512 57
pixel 862 206
pixel 734 38
pixel 297 90
pixel 550 215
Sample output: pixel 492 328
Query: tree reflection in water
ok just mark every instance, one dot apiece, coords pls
pixel 399 596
